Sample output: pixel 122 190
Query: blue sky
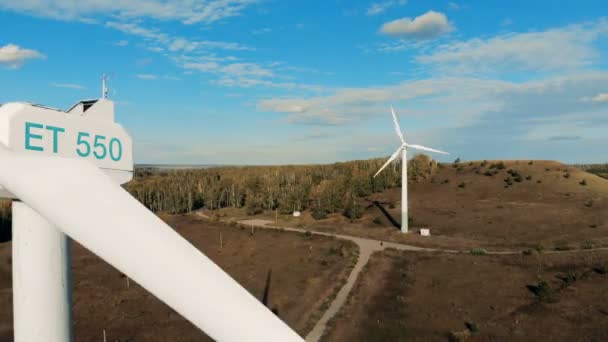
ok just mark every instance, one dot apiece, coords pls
pixel 278 82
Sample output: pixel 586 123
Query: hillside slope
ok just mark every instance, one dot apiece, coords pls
pixel 508 203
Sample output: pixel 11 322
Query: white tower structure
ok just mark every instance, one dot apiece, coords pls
pixel 403 151
pixel 64 170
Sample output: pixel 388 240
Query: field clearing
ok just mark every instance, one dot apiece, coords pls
pixel 306 272
pixel 404 296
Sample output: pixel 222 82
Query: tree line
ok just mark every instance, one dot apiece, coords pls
pixel 597 169
pixel 323 189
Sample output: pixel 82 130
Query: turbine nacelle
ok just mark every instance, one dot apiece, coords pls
pixel 404 145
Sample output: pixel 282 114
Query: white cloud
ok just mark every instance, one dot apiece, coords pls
pixel 262 30
pixel 350 104
pixel 225 67
pixel 147 77
pixel 246 69
pixel 68 86
pixel 188 11
pixel 136 30
pixel 426 26
pixel 122 43
pixel 246 82
pixel 456 102
pixel 173 44
pixel 204 67
pixel 600 98
pixel 381 7
pixel 556 49
pixel 14 56
pixel 172 78
pixel 453 6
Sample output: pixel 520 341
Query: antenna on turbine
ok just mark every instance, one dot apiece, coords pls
pixel 104 86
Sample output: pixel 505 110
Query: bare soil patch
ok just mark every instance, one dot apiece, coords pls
pixel 404 296
pixel 306 272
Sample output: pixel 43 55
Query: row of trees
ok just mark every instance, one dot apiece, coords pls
pixel 323 189
pixel 597 169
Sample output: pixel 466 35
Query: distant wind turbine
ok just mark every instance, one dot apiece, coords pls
pixel 403 150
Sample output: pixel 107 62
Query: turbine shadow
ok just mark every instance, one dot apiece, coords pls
pixel 378 205
pixel 266 296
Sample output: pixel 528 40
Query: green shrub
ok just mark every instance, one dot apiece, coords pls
pixel 319 214
pixel 583 182
pixel 500 165
pixel 479 251
pixel 587 244
pixel 462 185
pixel 544 293
pixel 472 327
pixel 601 269
pixel 353 210
pixel 562 246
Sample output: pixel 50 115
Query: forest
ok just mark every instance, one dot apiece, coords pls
pixel 597 169
pixel 323 189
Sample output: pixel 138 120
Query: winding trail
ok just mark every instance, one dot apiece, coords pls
pixel 366 248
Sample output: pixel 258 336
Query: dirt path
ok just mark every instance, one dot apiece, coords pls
pixel 366 248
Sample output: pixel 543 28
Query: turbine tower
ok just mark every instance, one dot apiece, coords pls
pixel 403 150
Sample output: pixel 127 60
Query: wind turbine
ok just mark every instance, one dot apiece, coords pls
pixel 403 150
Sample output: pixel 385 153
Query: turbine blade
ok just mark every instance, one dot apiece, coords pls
pixel 424 148
pixel 393 157
pixel 397 127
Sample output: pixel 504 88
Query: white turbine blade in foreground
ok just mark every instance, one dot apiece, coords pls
pixel 393 157
pixel 87 205
pixel 397 127
pixel 424 148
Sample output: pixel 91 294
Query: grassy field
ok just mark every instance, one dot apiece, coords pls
pixel 438 297
pixel 521 204
pixel 306 272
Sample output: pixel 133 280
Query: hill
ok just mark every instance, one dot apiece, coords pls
pixel 495 203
